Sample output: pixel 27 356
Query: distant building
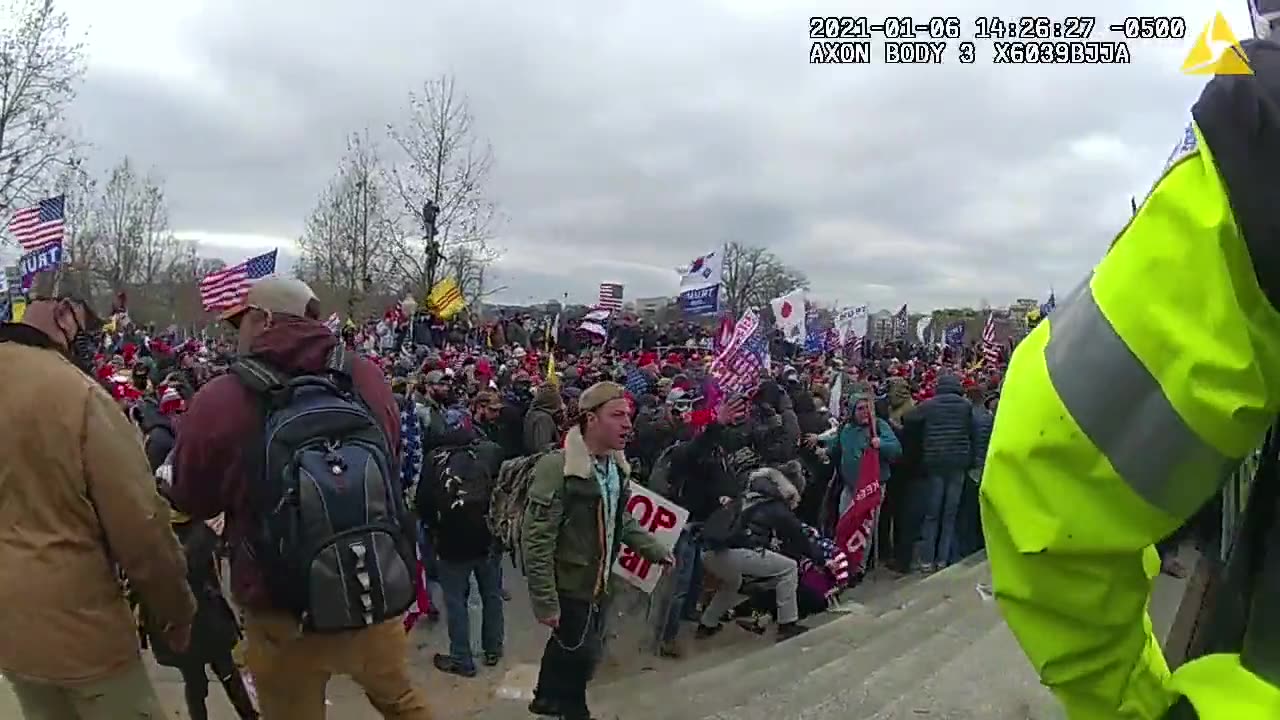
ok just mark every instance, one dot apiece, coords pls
pixel 880 325
pixel 1018 313
pixel 652 305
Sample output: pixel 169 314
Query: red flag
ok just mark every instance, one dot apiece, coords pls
pixel 857 525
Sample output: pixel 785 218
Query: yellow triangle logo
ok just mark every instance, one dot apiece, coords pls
pixel 1216 51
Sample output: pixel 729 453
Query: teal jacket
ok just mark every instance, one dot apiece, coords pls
pixel 852 440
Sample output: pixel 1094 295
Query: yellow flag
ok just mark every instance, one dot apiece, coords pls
pixel 19 309
pixel 1216 51
pixel 445 299
pixel 551 371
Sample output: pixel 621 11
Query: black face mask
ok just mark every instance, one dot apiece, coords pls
pixel 81 348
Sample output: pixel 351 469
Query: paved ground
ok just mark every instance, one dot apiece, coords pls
pixel 455 698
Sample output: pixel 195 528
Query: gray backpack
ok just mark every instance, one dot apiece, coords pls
pixel 331 531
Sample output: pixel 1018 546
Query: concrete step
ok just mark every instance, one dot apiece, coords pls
pixel 734 643
pixel 882 625
pixel 868 678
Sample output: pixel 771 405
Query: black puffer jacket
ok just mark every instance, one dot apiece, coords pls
pixel 769 518
pixel 947 426
pixel 983 423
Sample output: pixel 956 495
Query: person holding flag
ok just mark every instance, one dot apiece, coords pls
pixel 862 450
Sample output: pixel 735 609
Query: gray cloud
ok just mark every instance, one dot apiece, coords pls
pixel 632 138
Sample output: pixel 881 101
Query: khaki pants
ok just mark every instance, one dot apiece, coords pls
pixel 291 669
pixel 125 696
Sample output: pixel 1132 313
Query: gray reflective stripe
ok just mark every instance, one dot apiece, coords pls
pixel 1122 410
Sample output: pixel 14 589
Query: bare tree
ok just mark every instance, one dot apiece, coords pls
pixel 39 69
pixel 126 241
pixel 443 161
pixel 346 245
pixel 753 276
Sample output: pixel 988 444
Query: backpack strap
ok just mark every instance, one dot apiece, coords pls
pixel 259 377
pixel 340 363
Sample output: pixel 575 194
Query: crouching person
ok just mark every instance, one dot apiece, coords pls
pixel 739 538
pixel 573 525
pixel 213 633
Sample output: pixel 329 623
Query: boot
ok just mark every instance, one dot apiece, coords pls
pixel 673 649
pixel 786 631
pixel 238 694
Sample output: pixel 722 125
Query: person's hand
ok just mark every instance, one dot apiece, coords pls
pixel 667 560
pixel 809 440
pixel 875 443
pixel 178 637
pixel 552 622
pixel 724 414
pixel 217 524
pixel 725 500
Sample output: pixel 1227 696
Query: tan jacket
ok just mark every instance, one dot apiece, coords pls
pixel 77 499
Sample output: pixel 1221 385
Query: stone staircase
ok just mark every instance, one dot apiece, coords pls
pixel 881 660
pixel 930 648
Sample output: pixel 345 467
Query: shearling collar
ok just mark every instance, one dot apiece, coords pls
pixel 577 460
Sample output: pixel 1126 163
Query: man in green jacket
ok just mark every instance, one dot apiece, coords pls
pixel 574 524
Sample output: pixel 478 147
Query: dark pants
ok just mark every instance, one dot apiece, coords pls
pixel 899 528
pixel 195 683
pixel 455 580
pixel 969 538
pixel 685 577
pixel 570 658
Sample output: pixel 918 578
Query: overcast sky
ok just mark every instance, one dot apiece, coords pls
pixel 632 136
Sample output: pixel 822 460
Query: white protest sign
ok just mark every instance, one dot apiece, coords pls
pixel 661 518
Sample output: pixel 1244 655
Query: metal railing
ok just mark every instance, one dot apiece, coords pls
pixel 1234 495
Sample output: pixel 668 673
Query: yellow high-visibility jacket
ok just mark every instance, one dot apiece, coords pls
pixel 1127 408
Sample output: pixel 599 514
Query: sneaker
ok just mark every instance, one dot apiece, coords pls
pixel 506 595
pixel 446 664
pixel 671 649
pixel 492 658
pixel 786 631
pixel 706 631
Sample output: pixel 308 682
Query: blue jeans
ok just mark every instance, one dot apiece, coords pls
pixel 942 491
pixel 455 580
pixel 688 555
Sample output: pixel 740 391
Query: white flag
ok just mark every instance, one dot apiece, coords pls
pixel 851 322
pixel 788 316
pixel 705 271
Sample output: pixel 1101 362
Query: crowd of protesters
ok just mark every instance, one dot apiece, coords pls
pixel 765 477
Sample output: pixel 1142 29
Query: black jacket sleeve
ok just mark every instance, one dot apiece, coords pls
pixel 786 527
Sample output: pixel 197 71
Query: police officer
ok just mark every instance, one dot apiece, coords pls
pixel 1127 408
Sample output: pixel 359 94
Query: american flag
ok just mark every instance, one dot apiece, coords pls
pixel 39 225
pixel 227 288
pixel 610 296
pixel 739 366
pixel 637 383
pixel 990 348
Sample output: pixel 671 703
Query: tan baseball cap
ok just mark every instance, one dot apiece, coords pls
pixel 274 295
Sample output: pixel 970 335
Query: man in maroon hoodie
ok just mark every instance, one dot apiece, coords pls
pixel 279 324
